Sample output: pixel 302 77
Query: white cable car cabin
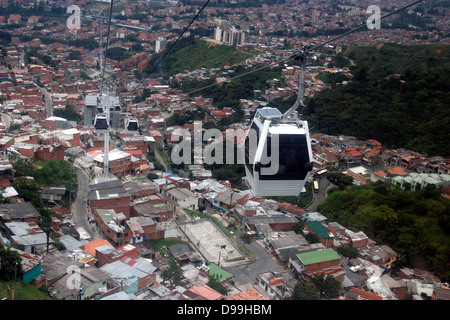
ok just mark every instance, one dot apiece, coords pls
pixel 101 124
pixel 132 125
pixel 268 174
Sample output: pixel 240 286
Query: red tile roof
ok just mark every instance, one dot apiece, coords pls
pixel 396 171
pixel 204 291
pixel 365 295
pixel 91 246
pixel 249 294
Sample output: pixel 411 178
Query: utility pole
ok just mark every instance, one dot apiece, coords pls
pixel 15 280
pixel 220 253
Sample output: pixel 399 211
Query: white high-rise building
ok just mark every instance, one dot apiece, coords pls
pixel 160 44
pixel 231 37
pixel 218 34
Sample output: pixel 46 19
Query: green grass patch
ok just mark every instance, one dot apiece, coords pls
pixel 192 54
pixel 24 290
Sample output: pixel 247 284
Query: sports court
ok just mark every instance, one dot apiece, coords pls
pixel 212 243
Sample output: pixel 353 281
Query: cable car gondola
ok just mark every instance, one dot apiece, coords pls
pixel 284 173
pixel 132 125
pixel 277 151
pixel 101 124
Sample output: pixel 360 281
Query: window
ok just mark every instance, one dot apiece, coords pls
pixel 293 157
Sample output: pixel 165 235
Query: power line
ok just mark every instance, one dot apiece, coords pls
pixel 311 49
pixel 365 24
pixel 171 47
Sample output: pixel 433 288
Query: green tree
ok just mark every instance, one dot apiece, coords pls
pixel 117 53
pixel 246 238
pixel 152 176
pixel 305 291
pixel 21 167
pixel 214 283
pixel 75 55
pixel 29 190
pixel 68 113
pixel 340 178
pixel 56 172
pixel 8 260
pixel 172 273
pixel 383 216
pixel 312 238
pixel 298 227
pixel 327 286
pixel 348 252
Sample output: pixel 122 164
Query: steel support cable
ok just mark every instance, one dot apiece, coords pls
pixel 311 49
pixel 107 43
pixel 171 47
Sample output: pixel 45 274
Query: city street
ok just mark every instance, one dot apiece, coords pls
pixel 264 262
pixel 324 185
pixel 48 101
pixel 78 210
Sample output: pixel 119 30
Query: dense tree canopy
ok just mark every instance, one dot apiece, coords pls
pixel 414 223
pixel 398 95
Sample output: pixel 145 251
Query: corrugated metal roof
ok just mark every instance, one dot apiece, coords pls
pixel 319 229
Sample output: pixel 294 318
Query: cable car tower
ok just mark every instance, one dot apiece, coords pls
pixel 101 126
pixel 102 118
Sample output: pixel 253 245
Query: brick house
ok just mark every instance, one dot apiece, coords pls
pixel 318 259
pixel 324 234
pixel 141 188
pixel 134 275
pixel 276 222
pixel 120 163
pixel 136 142
pixel 5 143
pixel 116 199
pixel 106 254
pixel 14 19
pixel 314 262
pixel 159 212
pixel 48 152
pixel 122 231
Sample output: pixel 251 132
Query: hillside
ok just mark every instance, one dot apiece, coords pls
pixel 24 291
pixel 192 54
pixel 398 95
pixel 415 224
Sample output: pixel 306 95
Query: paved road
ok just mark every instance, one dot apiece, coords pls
pixel 79 212
pixel 161 159
pixel 264 262
pixel 48 101
pixel 324 185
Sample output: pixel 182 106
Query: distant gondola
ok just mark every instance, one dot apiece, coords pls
pixel 132 125
pixel 101 124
